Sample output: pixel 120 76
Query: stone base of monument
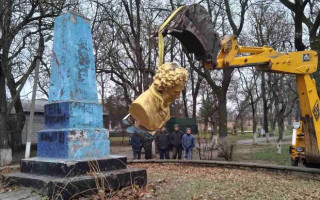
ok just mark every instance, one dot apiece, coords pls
pixel 65 178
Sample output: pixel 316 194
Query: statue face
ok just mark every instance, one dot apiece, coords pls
pixel 169 81
pixel 172 93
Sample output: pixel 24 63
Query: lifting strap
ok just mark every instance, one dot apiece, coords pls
pixel 161 38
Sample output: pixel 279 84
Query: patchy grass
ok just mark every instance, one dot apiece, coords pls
pixel 203 135
pixel 240 136
pixel 270 154
pixel 249 135
pixel 263 153
pixel 196 182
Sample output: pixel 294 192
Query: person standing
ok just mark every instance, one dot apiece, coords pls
pixel 188 143
pixel 163 141
pixel 175 140
pixel 136 143
pixel 147 145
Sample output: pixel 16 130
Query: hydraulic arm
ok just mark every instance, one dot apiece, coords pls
pixel 306 135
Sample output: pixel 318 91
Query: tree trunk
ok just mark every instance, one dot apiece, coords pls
pixel 185 103
pixel 222 112
pixel 280 128
pixel 265 106
pixel 16 137
pixel 3 112
pixel 279 146
pixel 222 105
pixel 241 125
pixel 16 140
pixel 254 140
pixel 254 128
pixel 315 45
pixel 194 106
pixel 206 124
pixel 254 124
pixel 273 126
pixel 281 133
pixel 290 119
pixel 215 128
pixel 238 121
pixel 5 150
pixel 195 92
pixel 235 125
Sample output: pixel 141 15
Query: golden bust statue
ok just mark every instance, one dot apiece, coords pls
pixel 152 108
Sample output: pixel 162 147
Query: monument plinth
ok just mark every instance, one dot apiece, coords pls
pixel 73 117
pixel 74 138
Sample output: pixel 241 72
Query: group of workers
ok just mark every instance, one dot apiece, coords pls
pixel 164 141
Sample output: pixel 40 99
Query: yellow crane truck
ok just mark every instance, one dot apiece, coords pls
pixel 193 27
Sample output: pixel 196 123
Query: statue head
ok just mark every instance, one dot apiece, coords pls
pixel 152 108
pixel 170 80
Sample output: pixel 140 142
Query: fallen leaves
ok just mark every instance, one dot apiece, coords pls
pixel 194 182
pixel 6 188
pixel 180 181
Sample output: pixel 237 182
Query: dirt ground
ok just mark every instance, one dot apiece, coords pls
pixel 176 181
pixel 193 182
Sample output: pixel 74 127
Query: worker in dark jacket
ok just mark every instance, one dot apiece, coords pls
pixel 175 140
pixel 163 142
pixel 136 143
pixel 188 143
pixel 147 145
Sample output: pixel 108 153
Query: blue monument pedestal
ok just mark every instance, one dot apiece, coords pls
pixel 74 139
pixel 73 130
pixel 73 117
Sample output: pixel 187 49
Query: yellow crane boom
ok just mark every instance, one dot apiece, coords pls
pixel 306 138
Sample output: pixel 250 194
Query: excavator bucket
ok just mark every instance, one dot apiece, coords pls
pixel 193 27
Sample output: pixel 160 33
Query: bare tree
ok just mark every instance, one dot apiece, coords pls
pixel 269 26
pixel 311 18
pixel 237 95
pixel 221 91
pixel 251 88
pixel 284 102
pixel 124 30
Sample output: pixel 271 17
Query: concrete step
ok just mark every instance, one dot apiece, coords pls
pixel 21 193
pixel 69 167
pixel 68 187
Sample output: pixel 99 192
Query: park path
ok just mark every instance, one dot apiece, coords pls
pixel 263 140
